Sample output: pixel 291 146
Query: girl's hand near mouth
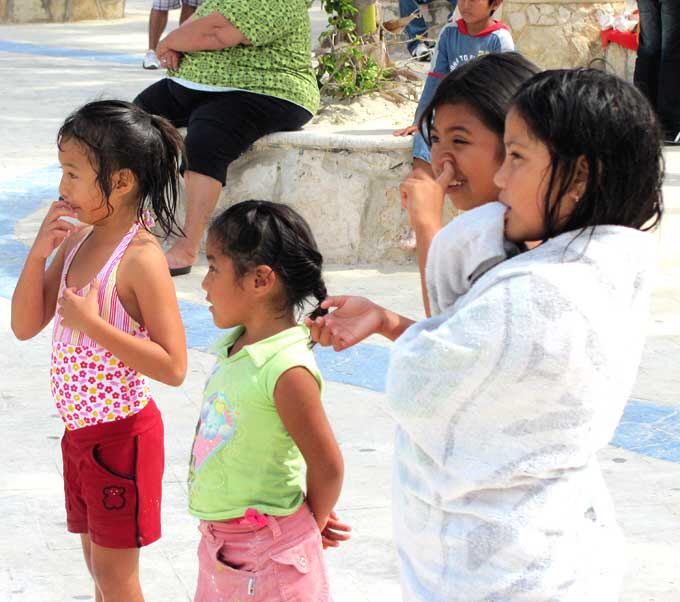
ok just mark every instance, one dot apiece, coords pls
pixel 423 196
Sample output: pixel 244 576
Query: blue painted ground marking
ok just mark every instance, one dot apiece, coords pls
pixel 19 197
pixel 70 53
pixel 645 428
pixel 649 429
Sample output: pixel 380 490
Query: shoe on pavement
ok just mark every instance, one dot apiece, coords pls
pixel 151 60
pixel 422 52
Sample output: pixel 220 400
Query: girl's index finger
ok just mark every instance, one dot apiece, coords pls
pixel 61 210
pixel 445 176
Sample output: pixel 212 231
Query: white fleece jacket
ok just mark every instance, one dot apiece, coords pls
pixel 502 400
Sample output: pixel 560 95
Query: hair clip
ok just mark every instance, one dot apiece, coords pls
pixel 147 219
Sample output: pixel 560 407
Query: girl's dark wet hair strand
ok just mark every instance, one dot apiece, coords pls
pixel 253 233
pixel 588 113
pixel 119 135
pixel 486 85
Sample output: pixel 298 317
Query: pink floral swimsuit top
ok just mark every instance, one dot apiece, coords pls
pixel 89 384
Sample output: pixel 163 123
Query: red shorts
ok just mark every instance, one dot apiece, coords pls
pixel 112 479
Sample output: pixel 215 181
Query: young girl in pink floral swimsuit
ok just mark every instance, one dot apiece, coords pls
pixel 116 321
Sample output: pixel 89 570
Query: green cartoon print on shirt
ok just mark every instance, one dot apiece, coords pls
pixel 216 427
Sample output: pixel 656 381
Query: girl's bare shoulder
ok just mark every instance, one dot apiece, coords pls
pixel 143 254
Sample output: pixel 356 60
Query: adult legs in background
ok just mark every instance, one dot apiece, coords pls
pixel 219 131
pixel 417 27
pixel 220 127
pixel 158 20
pixel 186 12
pixel 657 68
pixel 202 193
pixel 668 95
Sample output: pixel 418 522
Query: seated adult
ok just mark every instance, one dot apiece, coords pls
pixel 237 71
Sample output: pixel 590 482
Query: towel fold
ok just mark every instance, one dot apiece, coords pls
pixel 464 250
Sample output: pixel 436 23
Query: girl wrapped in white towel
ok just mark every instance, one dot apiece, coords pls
pixel 503 397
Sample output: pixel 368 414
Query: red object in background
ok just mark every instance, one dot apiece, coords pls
pixel 627 39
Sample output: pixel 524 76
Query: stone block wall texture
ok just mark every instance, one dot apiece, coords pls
pixel 552 33
pixel 28 11
pixel 349 197
pixel 555 34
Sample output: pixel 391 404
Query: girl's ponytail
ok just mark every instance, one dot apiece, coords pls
pixel 320 293
pixel 163 183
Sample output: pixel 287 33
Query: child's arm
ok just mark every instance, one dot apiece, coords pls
pixel 423 197
pixel 298 402
pixel 354 319
pixel 35 296
pixel 144 271
pixel 439 69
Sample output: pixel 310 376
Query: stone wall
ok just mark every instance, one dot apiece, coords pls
pixel 28 11
pixel 345 184
pixel 554 33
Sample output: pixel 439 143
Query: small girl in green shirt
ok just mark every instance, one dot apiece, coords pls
pixel 262 537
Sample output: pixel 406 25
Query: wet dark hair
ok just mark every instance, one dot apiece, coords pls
pixel 591 114
pixel 119 135
pixel 253 233
pixel 486 85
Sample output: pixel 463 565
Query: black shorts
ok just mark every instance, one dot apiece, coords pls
pixel 220 125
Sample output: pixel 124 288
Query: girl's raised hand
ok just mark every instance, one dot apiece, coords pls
pixel 409 131
pixel 79 312
pixel 53 230
pixel 354 319
pixel 423 196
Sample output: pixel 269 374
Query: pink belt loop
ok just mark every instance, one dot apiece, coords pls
pixel 273 524
pixel 206 528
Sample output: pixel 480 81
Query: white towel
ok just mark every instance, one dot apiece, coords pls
pixel 464 250
pixel 501 402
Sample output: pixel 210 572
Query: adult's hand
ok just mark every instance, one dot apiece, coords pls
pixel 169 58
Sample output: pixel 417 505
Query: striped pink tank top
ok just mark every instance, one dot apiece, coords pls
pixel 89 384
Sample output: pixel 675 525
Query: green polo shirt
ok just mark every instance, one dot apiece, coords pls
pixel 243 456
pixel 277 64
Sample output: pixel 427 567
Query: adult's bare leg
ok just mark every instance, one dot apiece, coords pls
pixel 186 12
pixel 158 19
pixel 202 193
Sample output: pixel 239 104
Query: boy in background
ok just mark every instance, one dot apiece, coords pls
pixel 476 33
